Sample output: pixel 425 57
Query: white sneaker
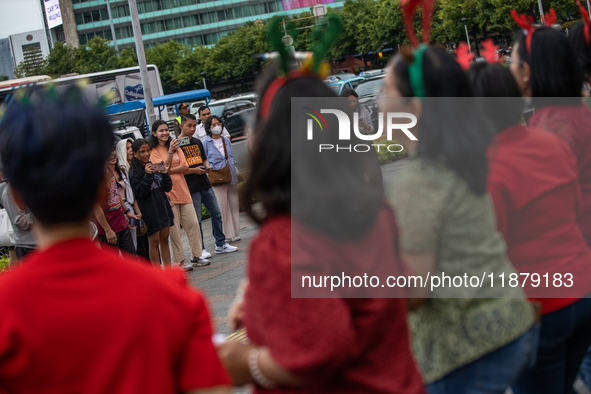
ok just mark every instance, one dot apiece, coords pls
pixel 185 266
pixel 225 248
pixel 205 254
pixel 235 239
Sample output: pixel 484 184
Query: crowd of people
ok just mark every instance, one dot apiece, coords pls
pixel 483 191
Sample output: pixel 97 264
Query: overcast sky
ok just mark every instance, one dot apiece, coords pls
pixel 20 16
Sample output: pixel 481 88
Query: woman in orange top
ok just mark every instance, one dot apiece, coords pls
pixel 165 150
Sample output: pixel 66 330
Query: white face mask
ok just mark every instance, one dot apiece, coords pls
pixel 217 130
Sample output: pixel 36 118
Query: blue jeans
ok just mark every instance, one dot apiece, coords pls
pixel 208 199
pixel 494 372
pixel 564 339
pixel 585 371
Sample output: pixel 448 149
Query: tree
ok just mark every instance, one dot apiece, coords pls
pixel 166 56
pixel 96 56
pixel 33 64
pixel 3 77
pixel 61 60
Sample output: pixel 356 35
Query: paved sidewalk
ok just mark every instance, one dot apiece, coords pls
pixel 220 280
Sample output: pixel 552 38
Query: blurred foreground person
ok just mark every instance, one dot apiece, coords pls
pixel 75 318
pixel 316 345
pixel 534 185
pixel 545 68
pixel 467 339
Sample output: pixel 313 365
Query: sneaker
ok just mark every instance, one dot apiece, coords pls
pixel 185 266
pixel 235 239
pixel 225 248
pixel 205 254
pixel 200 262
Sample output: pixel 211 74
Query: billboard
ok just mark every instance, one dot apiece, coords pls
pixel 53 14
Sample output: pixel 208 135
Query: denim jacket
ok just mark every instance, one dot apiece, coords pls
pixel 217 160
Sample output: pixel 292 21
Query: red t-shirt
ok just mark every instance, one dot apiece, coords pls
pixel 113 208
pixel 573 125
pixel 78 319
pixel 336 345
pixel 534 184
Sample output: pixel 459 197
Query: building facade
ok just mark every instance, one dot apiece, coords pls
pixel 189 22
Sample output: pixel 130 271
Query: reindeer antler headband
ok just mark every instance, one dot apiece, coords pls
pixel 527 24
pixel 312 68
pixel 586 21
pixel 415 58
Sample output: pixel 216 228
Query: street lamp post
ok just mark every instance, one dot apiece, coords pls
pixel 467 36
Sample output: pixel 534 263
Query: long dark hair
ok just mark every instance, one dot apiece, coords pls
pixel 497 94
pixel 582 50
pixel 136 166
pixel 152 139
pixel 350 92
pixel 328 192
pixel 554 68
pixel 448 132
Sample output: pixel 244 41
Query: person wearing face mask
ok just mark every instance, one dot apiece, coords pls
pixel 204 114
pixel 218 150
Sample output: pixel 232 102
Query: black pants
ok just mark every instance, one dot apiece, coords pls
pixel 143 248
pixel 124 241
pixel 22 251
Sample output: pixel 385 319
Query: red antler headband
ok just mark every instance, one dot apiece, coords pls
pixel 586 20
pixel 408 9
pixel 489 51
pixel 527 24
pixel 463 55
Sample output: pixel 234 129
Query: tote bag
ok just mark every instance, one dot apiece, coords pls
pixel 6 232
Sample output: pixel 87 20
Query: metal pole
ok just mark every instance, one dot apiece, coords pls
pixel 204 85
pixel 468 38
pixel 141 57
pixel 112 28
pixel 541 11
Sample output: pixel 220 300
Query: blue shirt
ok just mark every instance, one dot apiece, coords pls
pixel 217 160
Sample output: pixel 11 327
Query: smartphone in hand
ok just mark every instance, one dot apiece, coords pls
pixel 159 167
pixel 184 141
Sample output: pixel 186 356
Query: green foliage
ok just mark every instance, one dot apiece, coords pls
pixel 3 264
pixel 204 213
pixel 34 64
pixel 3 77
pixel 61 60
pixel 385 155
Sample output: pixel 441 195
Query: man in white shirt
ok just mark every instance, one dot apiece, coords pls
pixel 204 114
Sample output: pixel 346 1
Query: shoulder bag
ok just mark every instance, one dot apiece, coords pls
pixel 224 174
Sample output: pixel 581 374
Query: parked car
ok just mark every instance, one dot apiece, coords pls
pixel 372 73
pixel 194 107
pixel 350 83
pixel 339 77
pixel 252 96
pixel 233 112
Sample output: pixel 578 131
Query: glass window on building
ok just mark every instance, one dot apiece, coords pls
pixel 229 14
pixel 151 27
pixel 272 7
pixel 184 3
pixel 82 39
pixel 159 26
pixel 198 40
pixel 204 19
pixel 157 5
pixel 246 11
pixel 207 39
pixel 96 16
pixel 142 28
pixel 148 6
pixel 212 17
pixel 169 24
pixel 279 4
pixel 215 37
pixel 87 17
pixel 221 15
pixel 141 8
pixel 79 19
pixel 178 24
pixel 104 14
pixel 238 12
pixel 187 21
pixel 108 35
pixel 195 19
